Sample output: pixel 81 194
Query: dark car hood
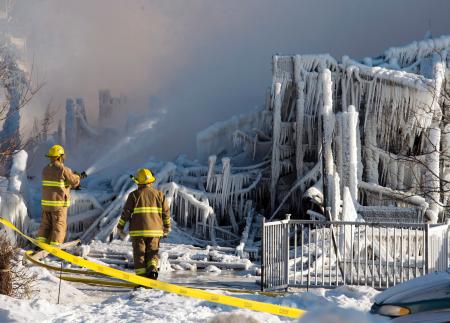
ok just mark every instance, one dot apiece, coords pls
pixel 431 286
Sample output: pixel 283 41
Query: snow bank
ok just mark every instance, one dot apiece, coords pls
pixel 158 306
pixel 15 310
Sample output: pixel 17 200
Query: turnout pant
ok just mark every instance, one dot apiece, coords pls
pixel 53 227
pixel 145 254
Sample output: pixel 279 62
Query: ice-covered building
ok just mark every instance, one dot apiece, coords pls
pixel 373 127
pixel 377 126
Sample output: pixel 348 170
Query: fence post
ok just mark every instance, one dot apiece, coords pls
pixel 262 253
pixel 286 268
pixel 427 247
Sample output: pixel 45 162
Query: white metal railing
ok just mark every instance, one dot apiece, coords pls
pixel 305 253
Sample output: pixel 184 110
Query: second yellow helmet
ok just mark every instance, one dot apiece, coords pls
pixel 144 176
pixel 55 151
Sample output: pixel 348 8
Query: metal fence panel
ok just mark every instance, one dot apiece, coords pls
pixel 274 256
pixel 307 253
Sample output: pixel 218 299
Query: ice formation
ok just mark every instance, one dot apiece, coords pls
pixel 373 127
pixel 12 200
pixel 335 138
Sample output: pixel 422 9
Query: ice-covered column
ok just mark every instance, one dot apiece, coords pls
pixel 275 145
pixel 432 177
pixel 372 154
pixel 352 122
pixel 339 141
pixel 328 121
pixel 299 117
pixel 71 125
pixel 211 172
pixel 336 198
pixel 226 182
pixel 446 164
pixel 18 175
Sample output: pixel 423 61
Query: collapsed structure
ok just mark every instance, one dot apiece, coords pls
pixel 374 130
pixel 374 126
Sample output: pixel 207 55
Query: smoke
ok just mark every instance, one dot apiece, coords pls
pixel 204 60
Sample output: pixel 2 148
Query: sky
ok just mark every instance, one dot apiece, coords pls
pixel 205 60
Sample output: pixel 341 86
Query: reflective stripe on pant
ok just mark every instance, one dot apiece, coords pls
pixel 145 254
pixel 53 226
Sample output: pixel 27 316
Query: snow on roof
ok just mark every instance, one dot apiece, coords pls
pixel 407 55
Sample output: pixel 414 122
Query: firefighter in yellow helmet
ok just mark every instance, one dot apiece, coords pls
pixel 149 214
pixel 57 180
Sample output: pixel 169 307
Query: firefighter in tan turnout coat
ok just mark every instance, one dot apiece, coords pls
pixel 149 214
pixel 57 180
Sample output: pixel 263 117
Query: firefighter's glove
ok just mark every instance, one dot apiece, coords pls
pixel 166 234
pixel 81 175
pixel 121 234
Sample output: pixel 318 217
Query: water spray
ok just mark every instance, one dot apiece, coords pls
pixel 112 157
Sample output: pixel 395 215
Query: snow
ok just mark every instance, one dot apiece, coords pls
pixel 414 290
pixel 415 51
pixel 15 310
pixel 343 303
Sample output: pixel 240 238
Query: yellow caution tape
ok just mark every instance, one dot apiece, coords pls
pixel 146 282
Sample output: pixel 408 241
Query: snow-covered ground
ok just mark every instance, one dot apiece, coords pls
pixel 81 303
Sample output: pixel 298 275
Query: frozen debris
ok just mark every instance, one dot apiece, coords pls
pixel 164 263
pixel 84 251
pixel 213 269
pixel 188 266
pixel 219 136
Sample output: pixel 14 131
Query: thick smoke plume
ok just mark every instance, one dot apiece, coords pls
pixel 203 60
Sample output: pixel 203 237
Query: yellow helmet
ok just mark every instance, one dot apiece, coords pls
pixel 56 151
pixel 144 176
